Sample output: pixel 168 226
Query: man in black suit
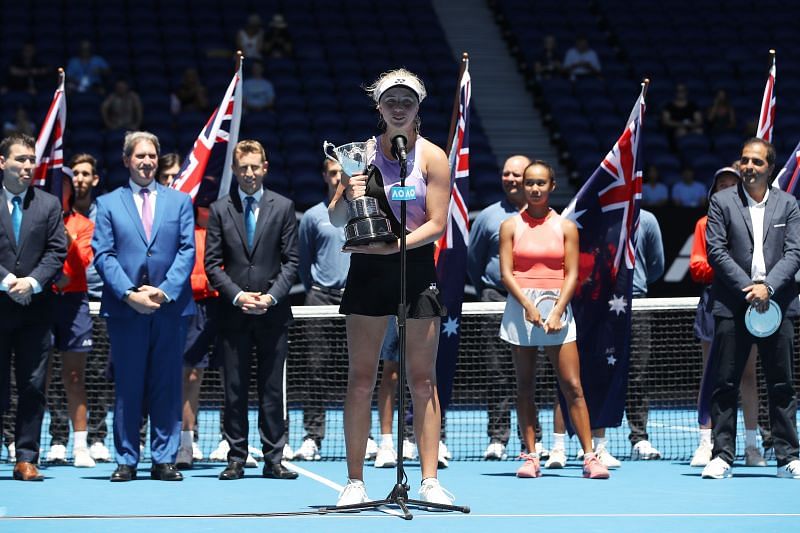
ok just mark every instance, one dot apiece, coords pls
pixel 754 272
pixel 33 247
pixel 251 259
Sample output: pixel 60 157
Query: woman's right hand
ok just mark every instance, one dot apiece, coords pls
pixel 532 315
pixel 355 186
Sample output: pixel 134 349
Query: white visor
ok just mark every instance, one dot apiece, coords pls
pixel 400 81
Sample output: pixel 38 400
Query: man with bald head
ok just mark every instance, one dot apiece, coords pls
pixel 483 267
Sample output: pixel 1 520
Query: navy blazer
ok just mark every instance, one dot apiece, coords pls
pixel 729 236
pixel 269 267
pixel 40 252
pixel 125 259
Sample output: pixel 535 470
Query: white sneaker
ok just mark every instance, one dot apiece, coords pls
pixel 386 457
pixel 444 455
pixel 543 452
pixel 790 470
pixel 718 469
pixel 82 458
pixel 288 454
pixel 197 453
pixel 644 451
pixel 221 453
pixel 495 451
pixel 605 457
pixel 702 455
pixel 57 454
pixel 409 450
pixel 308 451
pixel 431 491
pixel 372 450
pixel 352 493
pixel 753 457
pixel 100 453
pixel 12 451
pixel 558 458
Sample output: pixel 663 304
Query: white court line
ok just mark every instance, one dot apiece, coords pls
pixel 332 484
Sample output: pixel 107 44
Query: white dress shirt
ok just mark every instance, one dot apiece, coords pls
pixel 137 196
pixel 758 269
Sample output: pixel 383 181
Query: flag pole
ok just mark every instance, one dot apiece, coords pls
pixel 454 115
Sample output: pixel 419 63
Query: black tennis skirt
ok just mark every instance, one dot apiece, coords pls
pixel 373 285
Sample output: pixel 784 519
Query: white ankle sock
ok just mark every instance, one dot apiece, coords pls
pixel 558 440
pixel 599 442
pixel 750 438
pixel 705 436
pixel 386 439
pixel 79 439
pixel 186 438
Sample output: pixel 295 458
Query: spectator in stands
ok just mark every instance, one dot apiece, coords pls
pixel 20 124
pixel 371 293
pixel 581 60
pixel 26 73
pixel 87 71
pixel 31 256
pixel 85 179
pixel 687 192
pixel 250 39
pixel 191 95
pixel 753 272
pixel 277 41
pixel 547 64
pixel 483 268
pixel 539 262
pixel 681 115
pixel 169 165
pixel 654 193
pixel 122 108
pixel 649 267
pixel 701 272
pixel 251 259
pixel 72 332
pixel 258 92
pixel 323 272
pixel 721 116
pixel 144 252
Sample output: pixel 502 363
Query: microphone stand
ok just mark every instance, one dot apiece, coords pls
pixel 399 493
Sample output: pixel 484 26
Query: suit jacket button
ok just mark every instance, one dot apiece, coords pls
pixel 149 254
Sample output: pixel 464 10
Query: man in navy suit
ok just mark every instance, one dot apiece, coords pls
pixel 753 243
pixel 144 252
pixel 251 259
pixel 33 247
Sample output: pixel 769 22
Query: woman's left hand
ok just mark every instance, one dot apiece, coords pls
pixel 553 323
pixel 374 248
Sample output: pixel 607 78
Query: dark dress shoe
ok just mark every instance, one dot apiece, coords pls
pixel 279 471
pixel 24 471
pixel 124 473
pixel 165 472
pixel 234 470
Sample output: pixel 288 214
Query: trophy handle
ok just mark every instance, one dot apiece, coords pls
pixel 327 149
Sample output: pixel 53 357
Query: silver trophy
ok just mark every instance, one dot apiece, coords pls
pixel 367 222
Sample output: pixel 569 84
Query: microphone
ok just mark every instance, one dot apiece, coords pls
pixel 399 141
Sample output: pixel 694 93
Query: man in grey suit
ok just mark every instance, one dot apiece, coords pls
pixel 33 247
pixel 752 271
pixel 251 259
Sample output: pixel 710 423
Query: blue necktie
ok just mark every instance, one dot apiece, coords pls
pixel 16 216
pixel 250 220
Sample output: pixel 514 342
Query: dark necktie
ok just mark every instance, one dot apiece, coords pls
pixel 16 216
pixel 250 220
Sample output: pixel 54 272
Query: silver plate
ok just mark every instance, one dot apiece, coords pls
pixel 545 304
pixel 763 324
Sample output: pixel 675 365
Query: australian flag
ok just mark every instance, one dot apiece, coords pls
pixel 206 173
pixel 50 144
pixel 788 176
pixel 606 210
pixel 451 249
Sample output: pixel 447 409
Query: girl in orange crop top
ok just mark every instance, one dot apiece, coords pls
pixel 539 267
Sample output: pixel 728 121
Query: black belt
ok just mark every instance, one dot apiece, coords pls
pixel 328 290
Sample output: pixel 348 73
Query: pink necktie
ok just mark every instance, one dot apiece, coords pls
pixel 147 212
